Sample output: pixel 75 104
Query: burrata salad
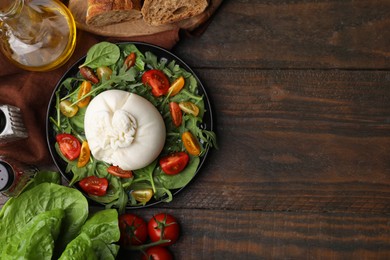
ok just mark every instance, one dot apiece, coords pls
pixel 129 126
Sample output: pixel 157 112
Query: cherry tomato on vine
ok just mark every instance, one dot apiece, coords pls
pixel 85 88
pixel 191 143
pixel 85 155
pixel 130 60
pixel 133 230
pixel 174 163
pixel 176 113
pixel 69 146
pixel 163 226
pixel 176 86
pixel 67 109
pixel 157 253
pixel 157 80
pixel 94 185
pixel 119 172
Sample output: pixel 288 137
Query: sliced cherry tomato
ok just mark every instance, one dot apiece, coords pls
pixel 176 86
pixel 189 108
pixel 85 88
pixel 163 226
pixel 174 163
pixel 89 74
pixel 157 253
pixel 119 172
pixel 67 109
pixel 157 80
pixel 85 155
pixel 94 185
pixel 130 60
pixel 133 230
pixel 142 196
pixel 176 114
pixel 69 146
pixel 190 143
pixel 104 73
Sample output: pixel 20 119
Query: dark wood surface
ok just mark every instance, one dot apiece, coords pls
pixel 301 97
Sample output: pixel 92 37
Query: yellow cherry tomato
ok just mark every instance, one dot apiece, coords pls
pixel 85 155
pixel 85 88
pixel 143 195
pixel 191 143
pixel 189 108
pixel 67 109
pixel 104 72
pixel 176 86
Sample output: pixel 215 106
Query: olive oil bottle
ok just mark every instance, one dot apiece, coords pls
pixel 36 35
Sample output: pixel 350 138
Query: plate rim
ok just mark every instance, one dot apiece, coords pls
pixel 49 130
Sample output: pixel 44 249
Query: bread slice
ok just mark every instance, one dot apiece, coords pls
pixel 157 12
pixel 105 12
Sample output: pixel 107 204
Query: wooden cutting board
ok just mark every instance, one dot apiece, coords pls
pixel 138 27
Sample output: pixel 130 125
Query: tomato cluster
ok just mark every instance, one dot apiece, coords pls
pixel 152 237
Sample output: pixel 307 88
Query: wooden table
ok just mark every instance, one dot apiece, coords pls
pixel 301 97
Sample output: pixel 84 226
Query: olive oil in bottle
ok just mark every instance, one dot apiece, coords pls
pixel 36 35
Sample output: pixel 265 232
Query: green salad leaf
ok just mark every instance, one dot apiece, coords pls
pixel 50 221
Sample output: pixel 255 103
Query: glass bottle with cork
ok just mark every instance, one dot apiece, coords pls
pixel 36 35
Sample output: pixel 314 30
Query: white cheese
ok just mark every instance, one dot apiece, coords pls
pixel 124 129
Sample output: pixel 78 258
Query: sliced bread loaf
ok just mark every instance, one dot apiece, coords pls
pixel 157 12
pixel 105 12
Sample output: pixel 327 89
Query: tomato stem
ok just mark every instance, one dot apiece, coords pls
pixel 146 246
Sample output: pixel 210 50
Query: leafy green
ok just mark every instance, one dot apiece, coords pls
pixel 36 239
pixel 102 54
pixel 47 221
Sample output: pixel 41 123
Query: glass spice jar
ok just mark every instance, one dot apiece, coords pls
pixel 14 176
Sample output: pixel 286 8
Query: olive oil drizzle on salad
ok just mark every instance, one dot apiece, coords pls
pixel 129 79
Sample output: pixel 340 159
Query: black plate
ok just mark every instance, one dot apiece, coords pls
pixel 143 47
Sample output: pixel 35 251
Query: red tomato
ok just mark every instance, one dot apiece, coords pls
pixel 163 226
pixel 117 171
pixel 133 230
pixel 130 60
pixel 94 185
pixel 157 80
pixel 174 163
pixel 69 145
pixel 89 74
pixel 157 253
pixel 176 113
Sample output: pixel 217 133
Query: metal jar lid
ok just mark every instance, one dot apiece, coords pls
pixel 6 176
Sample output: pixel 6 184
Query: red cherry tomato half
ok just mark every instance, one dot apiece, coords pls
pixel 69 145
pixel 94 185
pixel 130 60
pixel 157 253
pixel 174 163
pixel 133 230
pixel 163 226
pixel 176 113
pixel 88 74
pixel 117 171
pixel 157 80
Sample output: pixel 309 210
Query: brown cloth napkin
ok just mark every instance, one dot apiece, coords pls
pixel 31 92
